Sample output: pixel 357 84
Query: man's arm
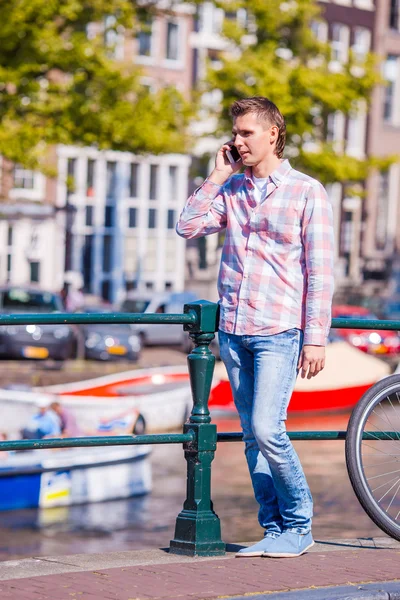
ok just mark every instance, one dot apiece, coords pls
pixel 205 210
pixel 318 243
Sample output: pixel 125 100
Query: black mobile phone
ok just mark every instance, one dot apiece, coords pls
pixel 233 155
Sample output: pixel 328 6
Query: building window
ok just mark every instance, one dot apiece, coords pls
pixel 391 74
pixel 153 182
pixel 152 218
pixel 90 178
pixel 9 235
pixel 394 14
pixel 173 181
pixel 87 260
pixel 107 248
pixel 109 216
pixel 202 246
pixel 210 18
pixel 361 43
pixel 89 210
pixel 105 290
pixel 133 180
pixel 340 42
pixel 132 217
pixel 23 178
pixel 382 211
pixel 113 38
pixel 172 49
pixel 320 30
pixel 111 179
pixel 9 263
pixel 346 236
pixel 171 219
pixel 71 166
pixel 335 130
pixel 34 271
pixel 145 39
pixel 356 130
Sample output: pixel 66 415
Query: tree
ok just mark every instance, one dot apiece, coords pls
pixel 276 54
pixel 59 82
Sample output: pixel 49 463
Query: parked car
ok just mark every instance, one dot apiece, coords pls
pixel 160 334
pixel 372 341
pixel 38 342
pixel 109 342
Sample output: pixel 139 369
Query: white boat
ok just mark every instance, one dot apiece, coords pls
pixel 162 395
pixel 50 478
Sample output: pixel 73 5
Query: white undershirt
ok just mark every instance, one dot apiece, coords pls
pixel 260 189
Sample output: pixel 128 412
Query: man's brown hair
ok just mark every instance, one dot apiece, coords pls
pixel 266 111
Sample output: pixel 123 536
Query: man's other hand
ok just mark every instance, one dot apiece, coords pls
pixel 311 361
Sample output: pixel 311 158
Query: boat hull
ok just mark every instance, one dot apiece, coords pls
pixel 316 401
pixel 46 479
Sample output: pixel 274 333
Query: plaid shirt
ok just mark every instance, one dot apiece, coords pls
pixel 276 268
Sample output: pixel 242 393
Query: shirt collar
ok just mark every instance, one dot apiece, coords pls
pixel 276 176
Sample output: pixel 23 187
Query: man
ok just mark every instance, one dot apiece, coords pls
pixel 275 287
pixel 45 423
pixel 69 425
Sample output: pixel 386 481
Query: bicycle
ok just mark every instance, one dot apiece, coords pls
pixel 372 451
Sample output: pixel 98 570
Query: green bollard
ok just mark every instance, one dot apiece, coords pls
pixel 198 528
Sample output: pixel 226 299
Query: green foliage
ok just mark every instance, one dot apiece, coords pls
pixel 60 85
pixel 279 57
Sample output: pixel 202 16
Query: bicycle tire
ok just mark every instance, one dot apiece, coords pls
pixel 385 390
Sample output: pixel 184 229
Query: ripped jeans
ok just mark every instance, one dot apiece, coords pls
pixel 262 372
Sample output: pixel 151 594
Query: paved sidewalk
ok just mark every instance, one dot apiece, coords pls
pixel 160 575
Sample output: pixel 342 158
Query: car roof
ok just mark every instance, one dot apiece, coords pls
pixel 25 288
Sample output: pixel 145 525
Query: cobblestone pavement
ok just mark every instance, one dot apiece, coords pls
pixel 201 579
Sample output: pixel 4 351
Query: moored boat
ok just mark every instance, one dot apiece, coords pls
pixel 50 478
pixel 163 396
pixel 348 373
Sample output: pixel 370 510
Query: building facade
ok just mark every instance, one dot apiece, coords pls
pixel 124 210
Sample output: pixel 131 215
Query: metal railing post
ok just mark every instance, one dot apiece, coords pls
pixel 198 528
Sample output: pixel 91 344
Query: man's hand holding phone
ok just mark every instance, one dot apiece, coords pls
pixel 227 162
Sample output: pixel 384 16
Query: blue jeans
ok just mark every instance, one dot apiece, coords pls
pixel 262 372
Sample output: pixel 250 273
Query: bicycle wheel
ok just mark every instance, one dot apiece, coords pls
pixel 373 453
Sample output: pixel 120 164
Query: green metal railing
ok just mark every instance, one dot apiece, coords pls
pixel 197 530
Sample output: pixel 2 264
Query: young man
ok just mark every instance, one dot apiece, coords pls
pixel 275 287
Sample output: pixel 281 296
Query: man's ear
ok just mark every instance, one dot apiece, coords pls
pixel 274 134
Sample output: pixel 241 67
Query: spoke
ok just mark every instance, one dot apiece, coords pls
pixel 382 474
pixel 389 462
pixel 379 501
pixel 386 417
pixel 390 402
pixel 381 451
pixel 394 496
pixel 395 479
pixel 381 430
pixel 375 454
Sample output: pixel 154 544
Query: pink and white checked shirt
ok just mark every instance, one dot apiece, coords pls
pixel 276 268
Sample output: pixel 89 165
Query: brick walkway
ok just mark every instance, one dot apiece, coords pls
pixel 212 578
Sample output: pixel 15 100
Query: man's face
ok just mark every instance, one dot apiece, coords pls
pixel 252 137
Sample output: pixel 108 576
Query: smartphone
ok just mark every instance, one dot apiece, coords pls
pixel 233 155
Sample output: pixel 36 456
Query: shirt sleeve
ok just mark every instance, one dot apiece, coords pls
pixel 318 242
pixel 204 212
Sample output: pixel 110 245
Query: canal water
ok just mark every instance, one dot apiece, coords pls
pixel 148 522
